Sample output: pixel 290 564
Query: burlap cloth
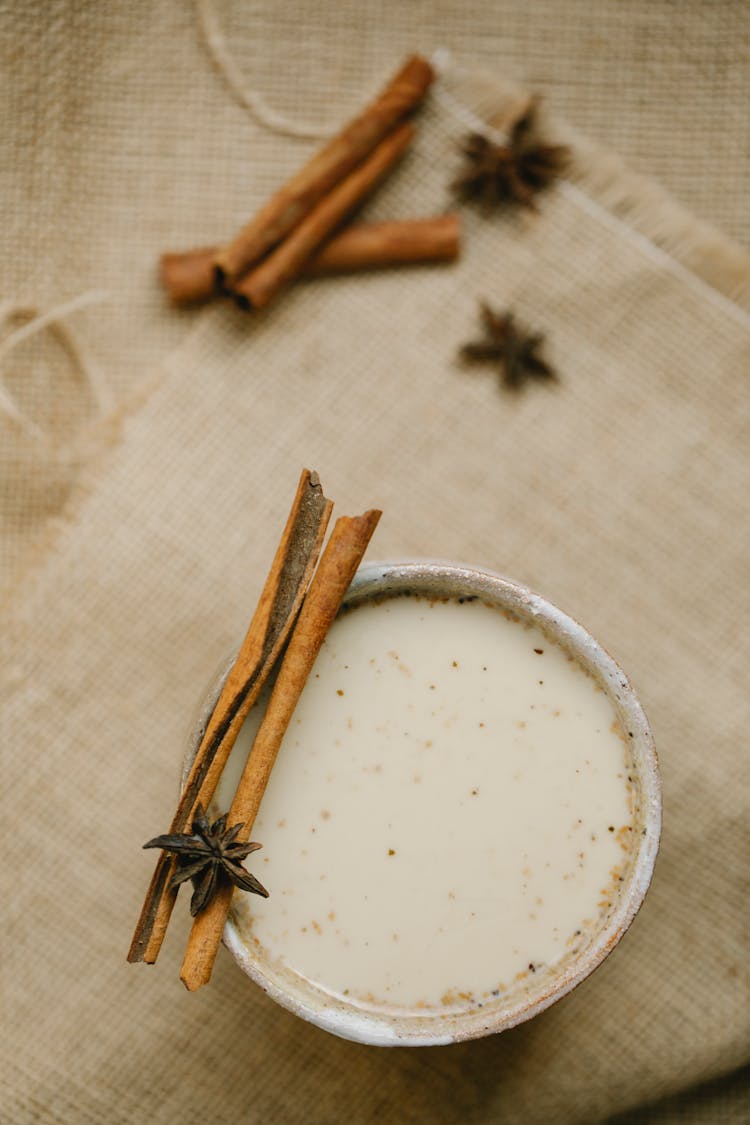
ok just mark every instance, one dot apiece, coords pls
pixel 135 539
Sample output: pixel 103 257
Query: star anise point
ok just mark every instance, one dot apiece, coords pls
pixel 209 854
pixel 513 171
pixel 511 347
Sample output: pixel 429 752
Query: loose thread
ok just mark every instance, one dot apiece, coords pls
pixel 10 310
pixel 252 101
pixel 442 61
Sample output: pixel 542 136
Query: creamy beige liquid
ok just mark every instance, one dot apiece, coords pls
pixel 450 815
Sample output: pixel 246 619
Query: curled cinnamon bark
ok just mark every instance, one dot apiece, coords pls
pixel 283 264
pixel 391 243
pixel 189 276
pixel 336 569
pixel 289 206
pixel 280 600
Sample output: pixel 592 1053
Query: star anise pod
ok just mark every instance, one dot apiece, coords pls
pixel 514 171
pixel 208 855
pixel 512 347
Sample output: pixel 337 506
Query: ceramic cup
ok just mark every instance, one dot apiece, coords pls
pixel 437 579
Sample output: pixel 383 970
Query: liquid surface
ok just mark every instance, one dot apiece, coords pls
pixel 449 816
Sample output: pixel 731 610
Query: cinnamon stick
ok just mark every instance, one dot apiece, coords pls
pixel 188 276
pixel 283 264
pixel 338 564
pixel 391 243
pixel 280 600
pixel 332 163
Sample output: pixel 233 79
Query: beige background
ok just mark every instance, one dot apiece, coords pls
pixel 134 543
pixel 122 137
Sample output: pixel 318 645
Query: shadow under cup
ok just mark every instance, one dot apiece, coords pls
pixel 388 1028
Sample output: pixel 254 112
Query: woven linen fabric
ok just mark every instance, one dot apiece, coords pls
pixel 620 493
pixel 121 137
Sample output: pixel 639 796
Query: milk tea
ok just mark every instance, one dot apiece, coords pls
pixel 451 816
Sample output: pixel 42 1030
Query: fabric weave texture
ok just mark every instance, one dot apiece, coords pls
pixel 135 542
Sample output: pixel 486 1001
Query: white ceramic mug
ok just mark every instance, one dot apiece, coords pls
pixel 437 579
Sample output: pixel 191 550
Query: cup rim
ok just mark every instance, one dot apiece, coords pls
pixel 441 579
